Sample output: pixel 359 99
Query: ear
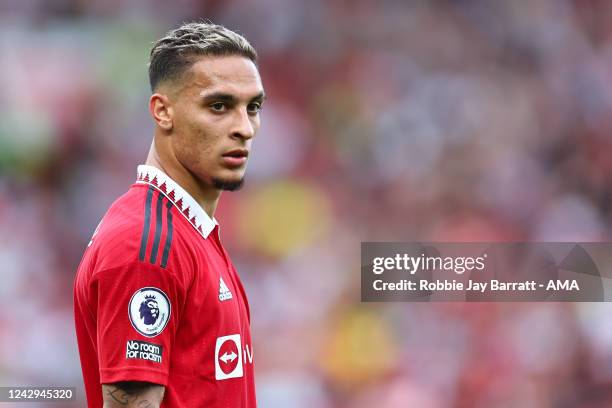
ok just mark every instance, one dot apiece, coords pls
pixel 161 110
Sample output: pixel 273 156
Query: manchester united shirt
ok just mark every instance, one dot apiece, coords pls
pixel 157 299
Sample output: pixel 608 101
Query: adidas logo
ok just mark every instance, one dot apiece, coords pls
pixel 224 292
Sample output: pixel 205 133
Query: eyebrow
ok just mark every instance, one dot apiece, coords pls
pixel 229 98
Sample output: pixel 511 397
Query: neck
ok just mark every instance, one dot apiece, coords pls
pixel 206 196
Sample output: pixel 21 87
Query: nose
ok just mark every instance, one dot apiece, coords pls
pixel 244 128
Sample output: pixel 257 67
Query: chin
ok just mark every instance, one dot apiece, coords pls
pixel 228 184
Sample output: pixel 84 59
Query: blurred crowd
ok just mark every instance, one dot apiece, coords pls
pixel 385 121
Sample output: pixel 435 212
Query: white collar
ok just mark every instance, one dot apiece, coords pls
pixel 181 199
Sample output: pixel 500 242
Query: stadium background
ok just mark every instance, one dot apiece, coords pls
pixel 387 120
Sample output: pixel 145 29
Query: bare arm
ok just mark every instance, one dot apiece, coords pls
pixel 132 394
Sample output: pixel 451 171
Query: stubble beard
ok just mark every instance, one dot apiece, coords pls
pixel 227 185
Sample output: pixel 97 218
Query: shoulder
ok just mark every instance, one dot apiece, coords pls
pixel 142 227
pixel 137 227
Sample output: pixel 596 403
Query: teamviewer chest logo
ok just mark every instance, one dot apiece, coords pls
pixel 228 357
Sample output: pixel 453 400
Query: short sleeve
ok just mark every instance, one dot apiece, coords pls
pixel 137 314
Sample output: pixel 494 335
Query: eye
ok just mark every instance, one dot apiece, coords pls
pixel 218 106
pixel 254 107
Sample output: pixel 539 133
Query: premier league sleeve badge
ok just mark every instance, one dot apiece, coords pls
pixel 149 311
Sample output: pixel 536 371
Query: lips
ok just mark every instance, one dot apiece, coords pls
pixel 235 158
pixel 238 153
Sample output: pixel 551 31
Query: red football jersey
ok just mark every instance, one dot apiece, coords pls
pixel 157 299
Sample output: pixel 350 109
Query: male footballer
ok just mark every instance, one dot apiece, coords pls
pixel 162 319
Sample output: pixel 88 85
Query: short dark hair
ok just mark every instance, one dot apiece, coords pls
pixel 174 53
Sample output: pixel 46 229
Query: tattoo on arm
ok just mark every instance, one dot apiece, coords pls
pixel 132 395
pixel 117 395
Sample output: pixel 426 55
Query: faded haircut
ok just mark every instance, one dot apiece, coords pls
pixel 173 54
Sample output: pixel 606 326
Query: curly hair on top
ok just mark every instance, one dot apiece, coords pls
pixel 174 53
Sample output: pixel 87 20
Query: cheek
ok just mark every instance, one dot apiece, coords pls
pixel 194 143
pixel 202 129
pixel 256 121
